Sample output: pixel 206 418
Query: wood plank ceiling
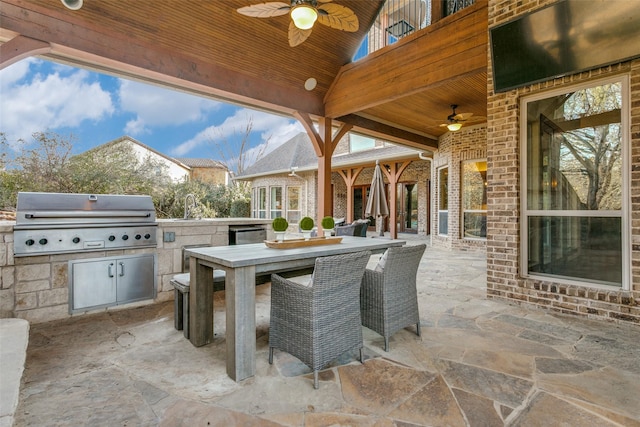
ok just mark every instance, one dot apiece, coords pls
pixel 402 92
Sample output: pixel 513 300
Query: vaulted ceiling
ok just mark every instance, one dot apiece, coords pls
pixel 402 92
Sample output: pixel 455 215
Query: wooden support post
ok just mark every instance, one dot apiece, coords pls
pixel 393 176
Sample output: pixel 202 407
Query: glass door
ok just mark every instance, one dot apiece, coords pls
pixel 407 207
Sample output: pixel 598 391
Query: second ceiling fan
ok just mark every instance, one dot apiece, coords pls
pixel 304 14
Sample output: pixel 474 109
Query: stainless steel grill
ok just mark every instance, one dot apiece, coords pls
pixel 52 223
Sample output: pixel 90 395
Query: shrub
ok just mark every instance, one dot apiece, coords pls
pixel 240 209
pixel 279 224
pixel 306 223
pixel 328 223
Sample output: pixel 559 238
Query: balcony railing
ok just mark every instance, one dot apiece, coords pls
pixel 399 18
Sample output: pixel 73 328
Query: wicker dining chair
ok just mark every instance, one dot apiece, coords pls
pixel 320 320
pixel 388 297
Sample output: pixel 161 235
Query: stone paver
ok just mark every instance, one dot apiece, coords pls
pixel 479 362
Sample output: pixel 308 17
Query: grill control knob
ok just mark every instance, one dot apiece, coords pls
pixel 112 238
pixel 147 236
pixel 138 237
pixel 29 242
pixel 76 240
pixel 125 237
pixel 43 241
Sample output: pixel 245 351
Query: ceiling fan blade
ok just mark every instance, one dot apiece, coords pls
pixel 462 116
pixel 265 10
pixel 338 17
pixel 296 35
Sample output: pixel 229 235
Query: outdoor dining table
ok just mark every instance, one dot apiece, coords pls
pixel 241 265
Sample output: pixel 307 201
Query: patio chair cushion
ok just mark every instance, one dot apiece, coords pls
pixel 382 262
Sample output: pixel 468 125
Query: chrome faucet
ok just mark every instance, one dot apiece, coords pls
pixel 187 211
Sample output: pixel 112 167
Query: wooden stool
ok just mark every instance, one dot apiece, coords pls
pixel 180 283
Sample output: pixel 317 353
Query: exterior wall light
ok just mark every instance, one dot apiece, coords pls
pixel 304 16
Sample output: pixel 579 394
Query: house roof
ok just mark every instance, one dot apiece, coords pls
pixel 201 163
pixel 146 147
pixel 298 153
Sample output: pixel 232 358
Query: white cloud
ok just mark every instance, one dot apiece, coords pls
pixel 154 106
pixel 274 130
pixel 37 103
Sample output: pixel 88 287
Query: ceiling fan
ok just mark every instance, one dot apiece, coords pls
pixel 304 14
pixel 455 119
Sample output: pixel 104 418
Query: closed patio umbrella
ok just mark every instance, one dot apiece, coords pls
pixel 377 206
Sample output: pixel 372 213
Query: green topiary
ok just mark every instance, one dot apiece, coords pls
pixel 279 224
pixel 306 223
pixel 328 223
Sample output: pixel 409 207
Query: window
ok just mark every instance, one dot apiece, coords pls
pixel 474 198
pixel 275 202
pixel 261 202
pixel 361 143
pixel 443 201
pixel 293 205
pixel 573 197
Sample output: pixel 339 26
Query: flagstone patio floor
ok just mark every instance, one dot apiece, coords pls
pixel 479 362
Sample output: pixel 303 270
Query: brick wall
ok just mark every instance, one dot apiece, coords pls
pixel 469 143
pixel 503 245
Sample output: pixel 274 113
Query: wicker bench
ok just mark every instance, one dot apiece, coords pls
pixel 180 283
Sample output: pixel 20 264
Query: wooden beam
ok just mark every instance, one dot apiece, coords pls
pixel 102 43
pixel 349 176
pixel 390 133
pixel 21 47
pixel 414 66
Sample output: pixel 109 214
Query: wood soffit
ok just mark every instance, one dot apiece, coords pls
pixel 402 92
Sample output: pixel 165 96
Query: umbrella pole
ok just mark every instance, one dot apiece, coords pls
pixel 380 223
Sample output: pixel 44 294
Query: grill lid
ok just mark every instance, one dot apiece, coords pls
pixel 47 209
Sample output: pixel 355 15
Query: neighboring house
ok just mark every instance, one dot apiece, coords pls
pixel 206 170
pixel 284 182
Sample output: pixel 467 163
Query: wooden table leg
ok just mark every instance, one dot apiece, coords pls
pixel 200 303
pixel 240 298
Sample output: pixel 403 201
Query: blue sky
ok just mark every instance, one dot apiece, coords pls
pixel 38 95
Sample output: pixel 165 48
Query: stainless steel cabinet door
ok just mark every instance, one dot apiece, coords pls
pixel 93 284
pixel 135 278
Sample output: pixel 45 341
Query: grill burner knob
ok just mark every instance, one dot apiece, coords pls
pixel 125 237
pixel 76 240
pixel 138 237
pixel 147 236
pixel 29 242
pixel 43 241
pixel 112 238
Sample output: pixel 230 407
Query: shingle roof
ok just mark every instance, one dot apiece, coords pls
pixel 201 163
pixel 298 152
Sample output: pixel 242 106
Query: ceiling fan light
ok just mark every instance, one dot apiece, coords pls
pixel 454 126
pixel 304 16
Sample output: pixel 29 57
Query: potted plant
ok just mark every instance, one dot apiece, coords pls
pixel 306 225
pixel 327 225
pixel 279 226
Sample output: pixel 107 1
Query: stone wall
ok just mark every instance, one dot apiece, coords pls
pixel 36 288
pixel 503 226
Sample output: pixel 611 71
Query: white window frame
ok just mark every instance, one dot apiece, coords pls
pixel 273 208
pixel 462 208
pixel 288 210
pixel 624 213
pixel 439 171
